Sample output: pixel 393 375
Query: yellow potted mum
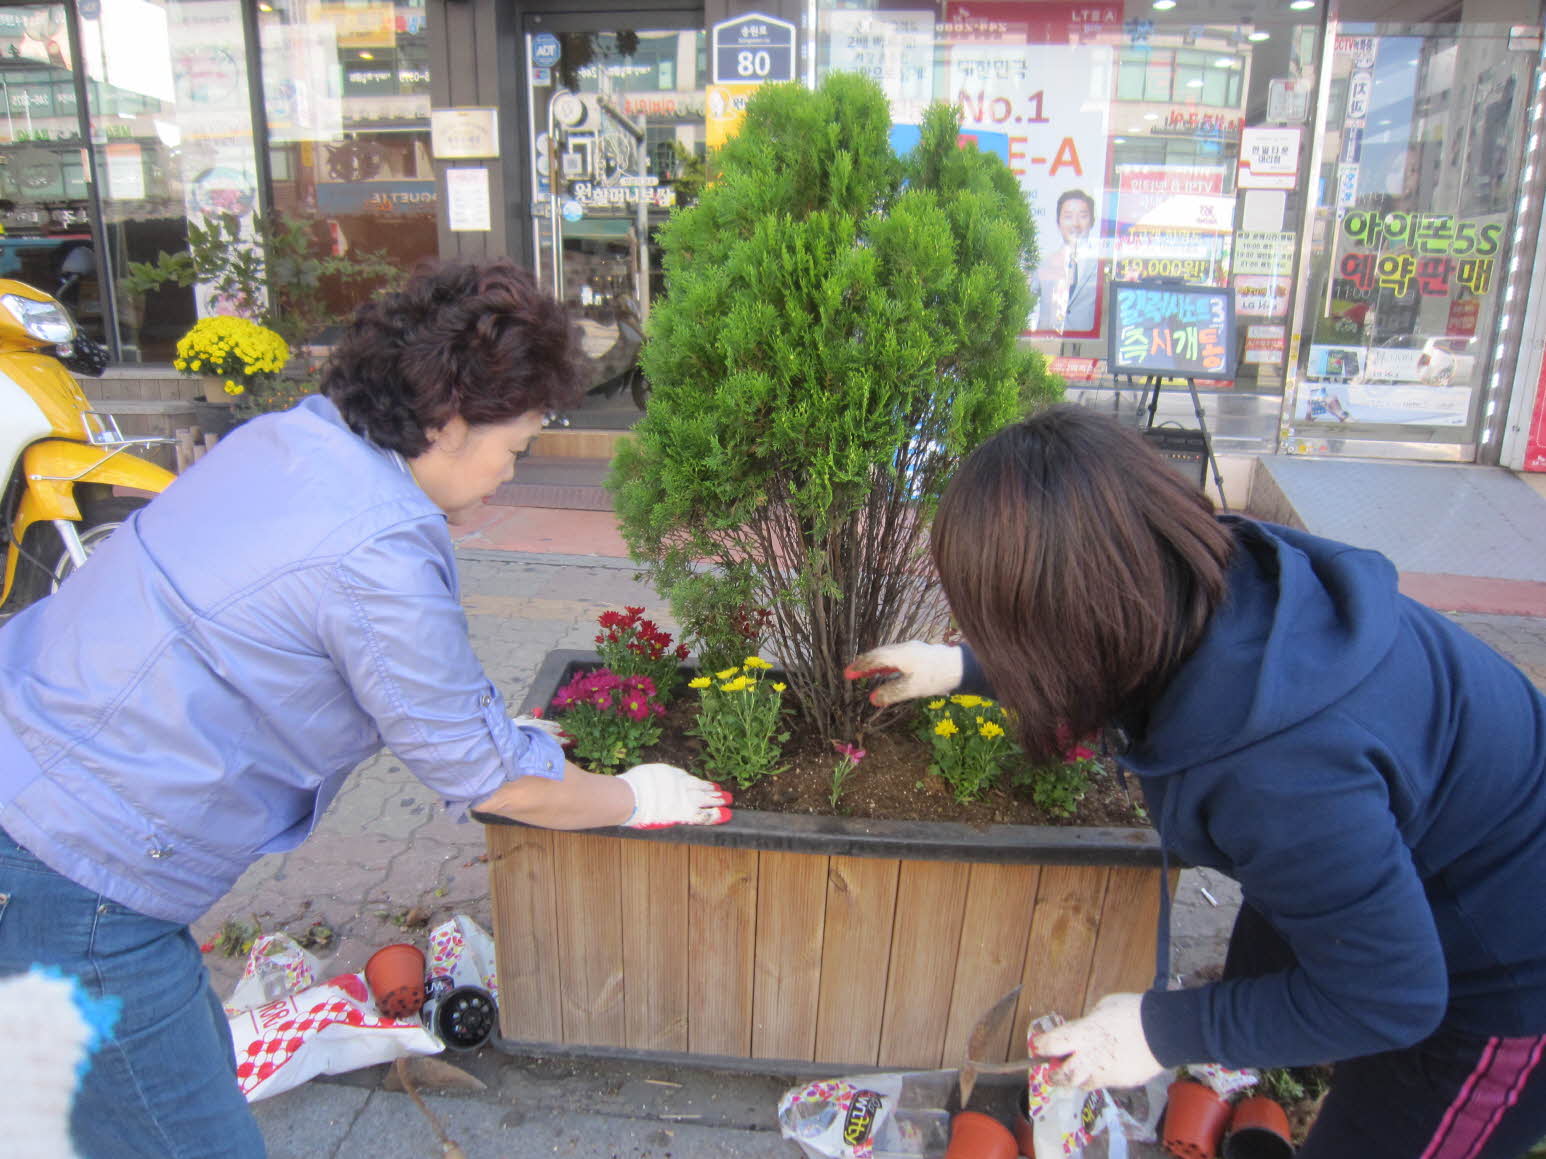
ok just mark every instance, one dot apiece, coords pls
pixel 231 355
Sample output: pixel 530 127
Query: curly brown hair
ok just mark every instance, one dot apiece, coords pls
pixel 1082 570
pixel 479 340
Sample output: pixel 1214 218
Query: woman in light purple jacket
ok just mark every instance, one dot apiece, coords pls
pixel 196 696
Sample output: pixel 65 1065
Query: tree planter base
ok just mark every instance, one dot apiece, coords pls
pixel 814 939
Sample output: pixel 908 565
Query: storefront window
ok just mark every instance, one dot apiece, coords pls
pixel 1423 150
pixel 1166 147
pixel 44 192
pixel 169 112
pixel 347 99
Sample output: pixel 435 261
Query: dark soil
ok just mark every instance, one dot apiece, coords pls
pixel 893 781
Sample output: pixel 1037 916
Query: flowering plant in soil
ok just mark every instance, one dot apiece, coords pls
pixel 630 645
pixel 848 758
pixel 970 742
pixel 738 719
pixel 610 718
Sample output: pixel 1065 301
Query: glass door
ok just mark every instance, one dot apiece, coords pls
pixel 1411 238
pixel 618 139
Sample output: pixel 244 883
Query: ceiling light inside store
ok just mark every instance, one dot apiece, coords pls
pixel 367 56
pixel 1151 116
pixel 1224 62
pixel 265 7
pixel 1302 5
pixel 1259 36
pixel 1164 5
pixel 1194 83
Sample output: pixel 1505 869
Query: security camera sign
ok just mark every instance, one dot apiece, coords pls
pixel 753 49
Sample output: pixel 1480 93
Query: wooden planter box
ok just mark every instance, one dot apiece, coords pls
pixel 814 939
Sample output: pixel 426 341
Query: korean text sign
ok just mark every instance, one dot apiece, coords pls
pixel 1174 330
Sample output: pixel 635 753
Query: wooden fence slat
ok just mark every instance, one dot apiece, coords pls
pixel 722 930
pixel 997 926
pixel 590 937
pixel 855 957
pixel 786 985
pixel 1062 943
pixel 930 908
pixel 521 889
pixel 655 929
pixel 1129 922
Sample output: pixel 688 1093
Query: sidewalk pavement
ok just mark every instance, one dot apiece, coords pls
pixel 386 864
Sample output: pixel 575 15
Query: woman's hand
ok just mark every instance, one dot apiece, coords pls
pixel 917 669
pixel 1105 1048
pixel 665 795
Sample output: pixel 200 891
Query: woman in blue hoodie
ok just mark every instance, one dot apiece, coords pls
pixel 1373 776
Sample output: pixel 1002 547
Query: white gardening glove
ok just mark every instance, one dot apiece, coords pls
pixel 1105 1048
pixel 921 670
pixel 551 727
pixel 665 795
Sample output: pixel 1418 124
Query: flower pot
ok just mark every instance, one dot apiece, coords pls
pixel 214 389
pixel 974 1135
pixel 395 975
pixel 1024 1130
pixel 1258 1130
pixel 843 941
pixel 463 1019
pixel 1195 1118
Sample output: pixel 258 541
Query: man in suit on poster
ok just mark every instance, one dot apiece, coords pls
pixel 1068 281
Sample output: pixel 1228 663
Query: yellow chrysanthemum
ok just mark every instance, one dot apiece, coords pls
pixel 739 684
pixel 726 674
pixel 946 727
pixel 966 700
pixel 937 704
pixel 989 730
pixel 699 682
pixel 756 662
pixel 779 687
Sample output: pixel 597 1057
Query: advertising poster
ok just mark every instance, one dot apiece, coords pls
pixel 894 49
pixel 1269 158
pixel 1049 99
pixel 1424 386
pixel 1172 221
pixel 1264 265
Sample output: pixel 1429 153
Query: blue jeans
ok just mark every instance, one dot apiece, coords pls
pixel 163 1085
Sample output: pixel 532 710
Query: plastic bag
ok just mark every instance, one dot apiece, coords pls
pixel 1098 1124
pixel 276 968
pixel 463 954
pixel 328 1029
pixel 879 1116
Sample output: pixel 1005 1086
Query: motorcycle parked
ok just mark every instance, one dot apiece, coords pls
pixel 59 458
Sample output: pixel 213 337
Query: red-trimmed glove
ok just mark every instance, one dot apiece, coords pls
pixel 917 669
pixel 665 795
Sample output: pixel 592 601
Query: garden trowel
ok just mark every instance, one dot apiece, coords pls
pixel 986 1029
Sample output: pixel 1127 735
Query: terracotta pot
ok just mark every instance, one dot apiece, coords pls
pixel 1194 1120
pixel 214 389
pixel 974 1135
pixel 1258 1130
pixel 395 975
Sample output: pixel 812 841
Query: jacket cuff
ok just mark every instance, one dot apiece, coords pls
pixel 1172 1025
pixel 972 679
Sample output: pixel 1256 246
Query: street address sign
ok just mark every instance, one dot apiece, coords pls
pixel 753 49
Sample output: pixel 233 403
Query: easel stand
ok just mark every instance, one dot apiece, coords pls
pixel 1151 389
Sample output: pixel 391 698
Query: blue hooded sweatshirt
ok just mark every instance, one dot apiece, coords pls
pixel 1374 777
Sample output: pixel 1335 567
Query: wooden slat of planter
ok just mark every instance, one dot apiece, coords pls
pixel 925 939
pixel 787 976
pixel 722 924
pixel 590 937
pixel 1129 920
pixel 655 931
pixel 997 926
pixel 861 904
pixel 521 887
pixel 1062 943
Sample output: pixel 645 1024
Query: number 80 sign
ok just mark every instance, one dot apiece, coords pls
pixel 753 49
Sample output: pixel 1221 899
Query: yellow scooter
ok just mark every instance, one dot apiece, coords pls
pixel 59 458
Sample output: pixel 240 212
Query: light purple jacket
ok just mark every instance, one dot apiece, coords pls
pixel 197 694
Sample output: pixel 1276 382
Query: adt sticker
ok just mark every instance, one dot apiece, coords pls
pixel 572 210
pixel 545 50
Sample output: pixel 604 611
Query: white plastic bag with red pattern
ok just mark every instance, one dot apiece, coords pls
pixel 328 1029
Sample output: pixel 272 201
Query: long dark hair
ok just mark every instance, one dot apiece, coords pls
pixel 479 340
pixel 1080 567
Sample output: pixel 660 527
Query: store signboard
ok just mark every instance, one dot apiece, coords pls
pixel 1171 330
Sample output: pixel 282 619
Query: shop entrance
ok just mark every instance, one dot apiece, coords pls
pixel 616 140
pixel 1406 322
